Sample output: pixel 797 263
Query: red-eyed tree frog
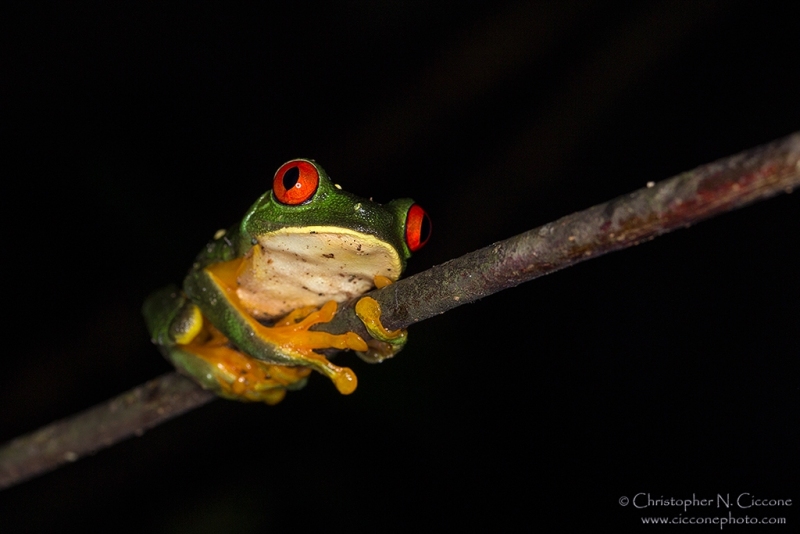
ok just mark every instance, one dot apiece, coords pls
pixel 240 326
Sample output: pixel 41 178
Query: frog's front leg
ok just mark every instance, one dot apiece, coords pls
pixel 287 343
pixel 385 343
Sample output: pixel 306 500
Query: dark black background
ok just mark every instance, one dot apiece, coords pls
pixel 132 133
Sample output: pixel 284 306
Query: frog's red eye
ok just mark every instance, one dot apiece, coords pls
pixel 295 182
pixel 418 227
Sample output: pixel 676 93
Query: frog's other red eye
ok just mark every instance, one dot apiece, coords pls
pixel 295 182
pixel 418 228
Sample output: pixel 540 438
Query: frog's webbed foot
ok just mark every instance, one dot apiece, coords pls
pixel 385 343
pixel 294 340
pixel 234 375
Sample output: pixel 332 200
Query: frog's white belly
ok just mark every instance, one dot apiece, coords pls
pixel 310 266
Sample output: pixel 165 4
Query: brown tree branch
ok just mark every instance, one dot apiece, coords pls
pixel 688 198
pixel 642 215
pixel 101 426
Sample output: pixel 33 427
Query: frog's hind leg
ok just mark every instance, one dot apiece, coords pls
pixel 216 365
pixel 200 351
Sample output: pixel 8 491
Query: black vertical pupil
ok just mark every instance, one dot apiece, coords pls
pixel 290 177
pixel 425 229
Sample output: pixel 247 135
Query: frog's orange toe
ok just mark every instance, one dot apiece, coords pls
pixel 355 342
pixel 345 381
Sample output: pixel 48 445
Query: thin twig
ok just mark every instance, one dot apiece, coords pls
pixel 681 201
pixel 101 426
pixel 688 198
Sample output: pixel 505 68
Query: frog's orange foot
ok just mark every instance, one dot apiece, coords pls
pixel 295 316
pixel 385 343
pixel 293 338
pixel 293 331
pixel 342 377
pixel 242 377
pixel 234 375
pixel 369 311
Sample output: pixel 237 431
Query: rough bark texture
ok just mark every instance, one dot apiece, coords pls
pixel 101 426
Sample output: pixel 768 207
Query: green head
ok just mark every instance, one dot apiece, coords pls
pixel 305 202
